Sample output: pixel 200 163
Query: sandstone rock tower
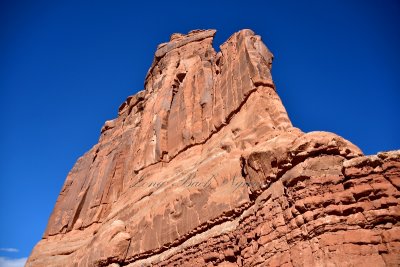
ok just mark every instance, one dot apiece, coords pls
pixel 204 168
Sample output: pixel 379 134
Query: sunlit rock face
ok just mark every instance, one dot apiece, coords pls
pixel 204 168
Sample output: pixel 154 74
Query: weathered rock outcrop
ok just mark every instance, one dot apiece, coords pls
pixel 204 168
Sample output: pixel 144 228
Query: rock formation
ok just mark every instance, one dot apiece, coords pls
pixel 204 168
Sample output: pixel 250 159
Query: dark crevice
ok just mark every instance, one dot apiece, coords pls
pixel 242 165
pixel 95 157
pixel 180 76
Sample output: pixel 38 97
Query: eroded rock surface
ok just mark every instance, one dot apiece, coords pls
pixel 204 168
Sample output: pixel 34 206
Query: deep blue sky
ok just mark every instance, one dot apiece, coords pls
pixel 65 68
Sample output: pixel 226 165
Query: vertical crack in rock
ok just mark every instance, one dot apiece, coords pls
pixel 79 209
pixel 204 168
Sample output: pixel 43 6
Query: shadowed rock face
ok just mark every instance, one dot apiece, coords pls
pixel 204 168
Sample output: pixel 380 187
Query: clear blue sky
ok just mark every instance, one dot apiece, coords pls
pixel 65 68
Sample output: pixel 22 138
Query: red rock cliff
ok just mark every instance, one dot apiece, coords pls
pixel 204 168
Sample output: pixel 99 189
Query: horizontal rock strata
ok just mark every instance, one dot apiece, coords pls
pixel 204 168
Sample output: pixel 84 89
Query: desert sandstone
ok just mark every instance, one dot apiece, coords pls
pixel 204 168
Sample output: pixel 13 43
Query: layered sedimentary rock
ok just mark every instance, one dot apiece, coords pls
pixel 204 168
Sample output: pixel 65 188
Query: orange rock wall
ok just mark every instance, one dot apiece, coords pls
pixel 204 168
